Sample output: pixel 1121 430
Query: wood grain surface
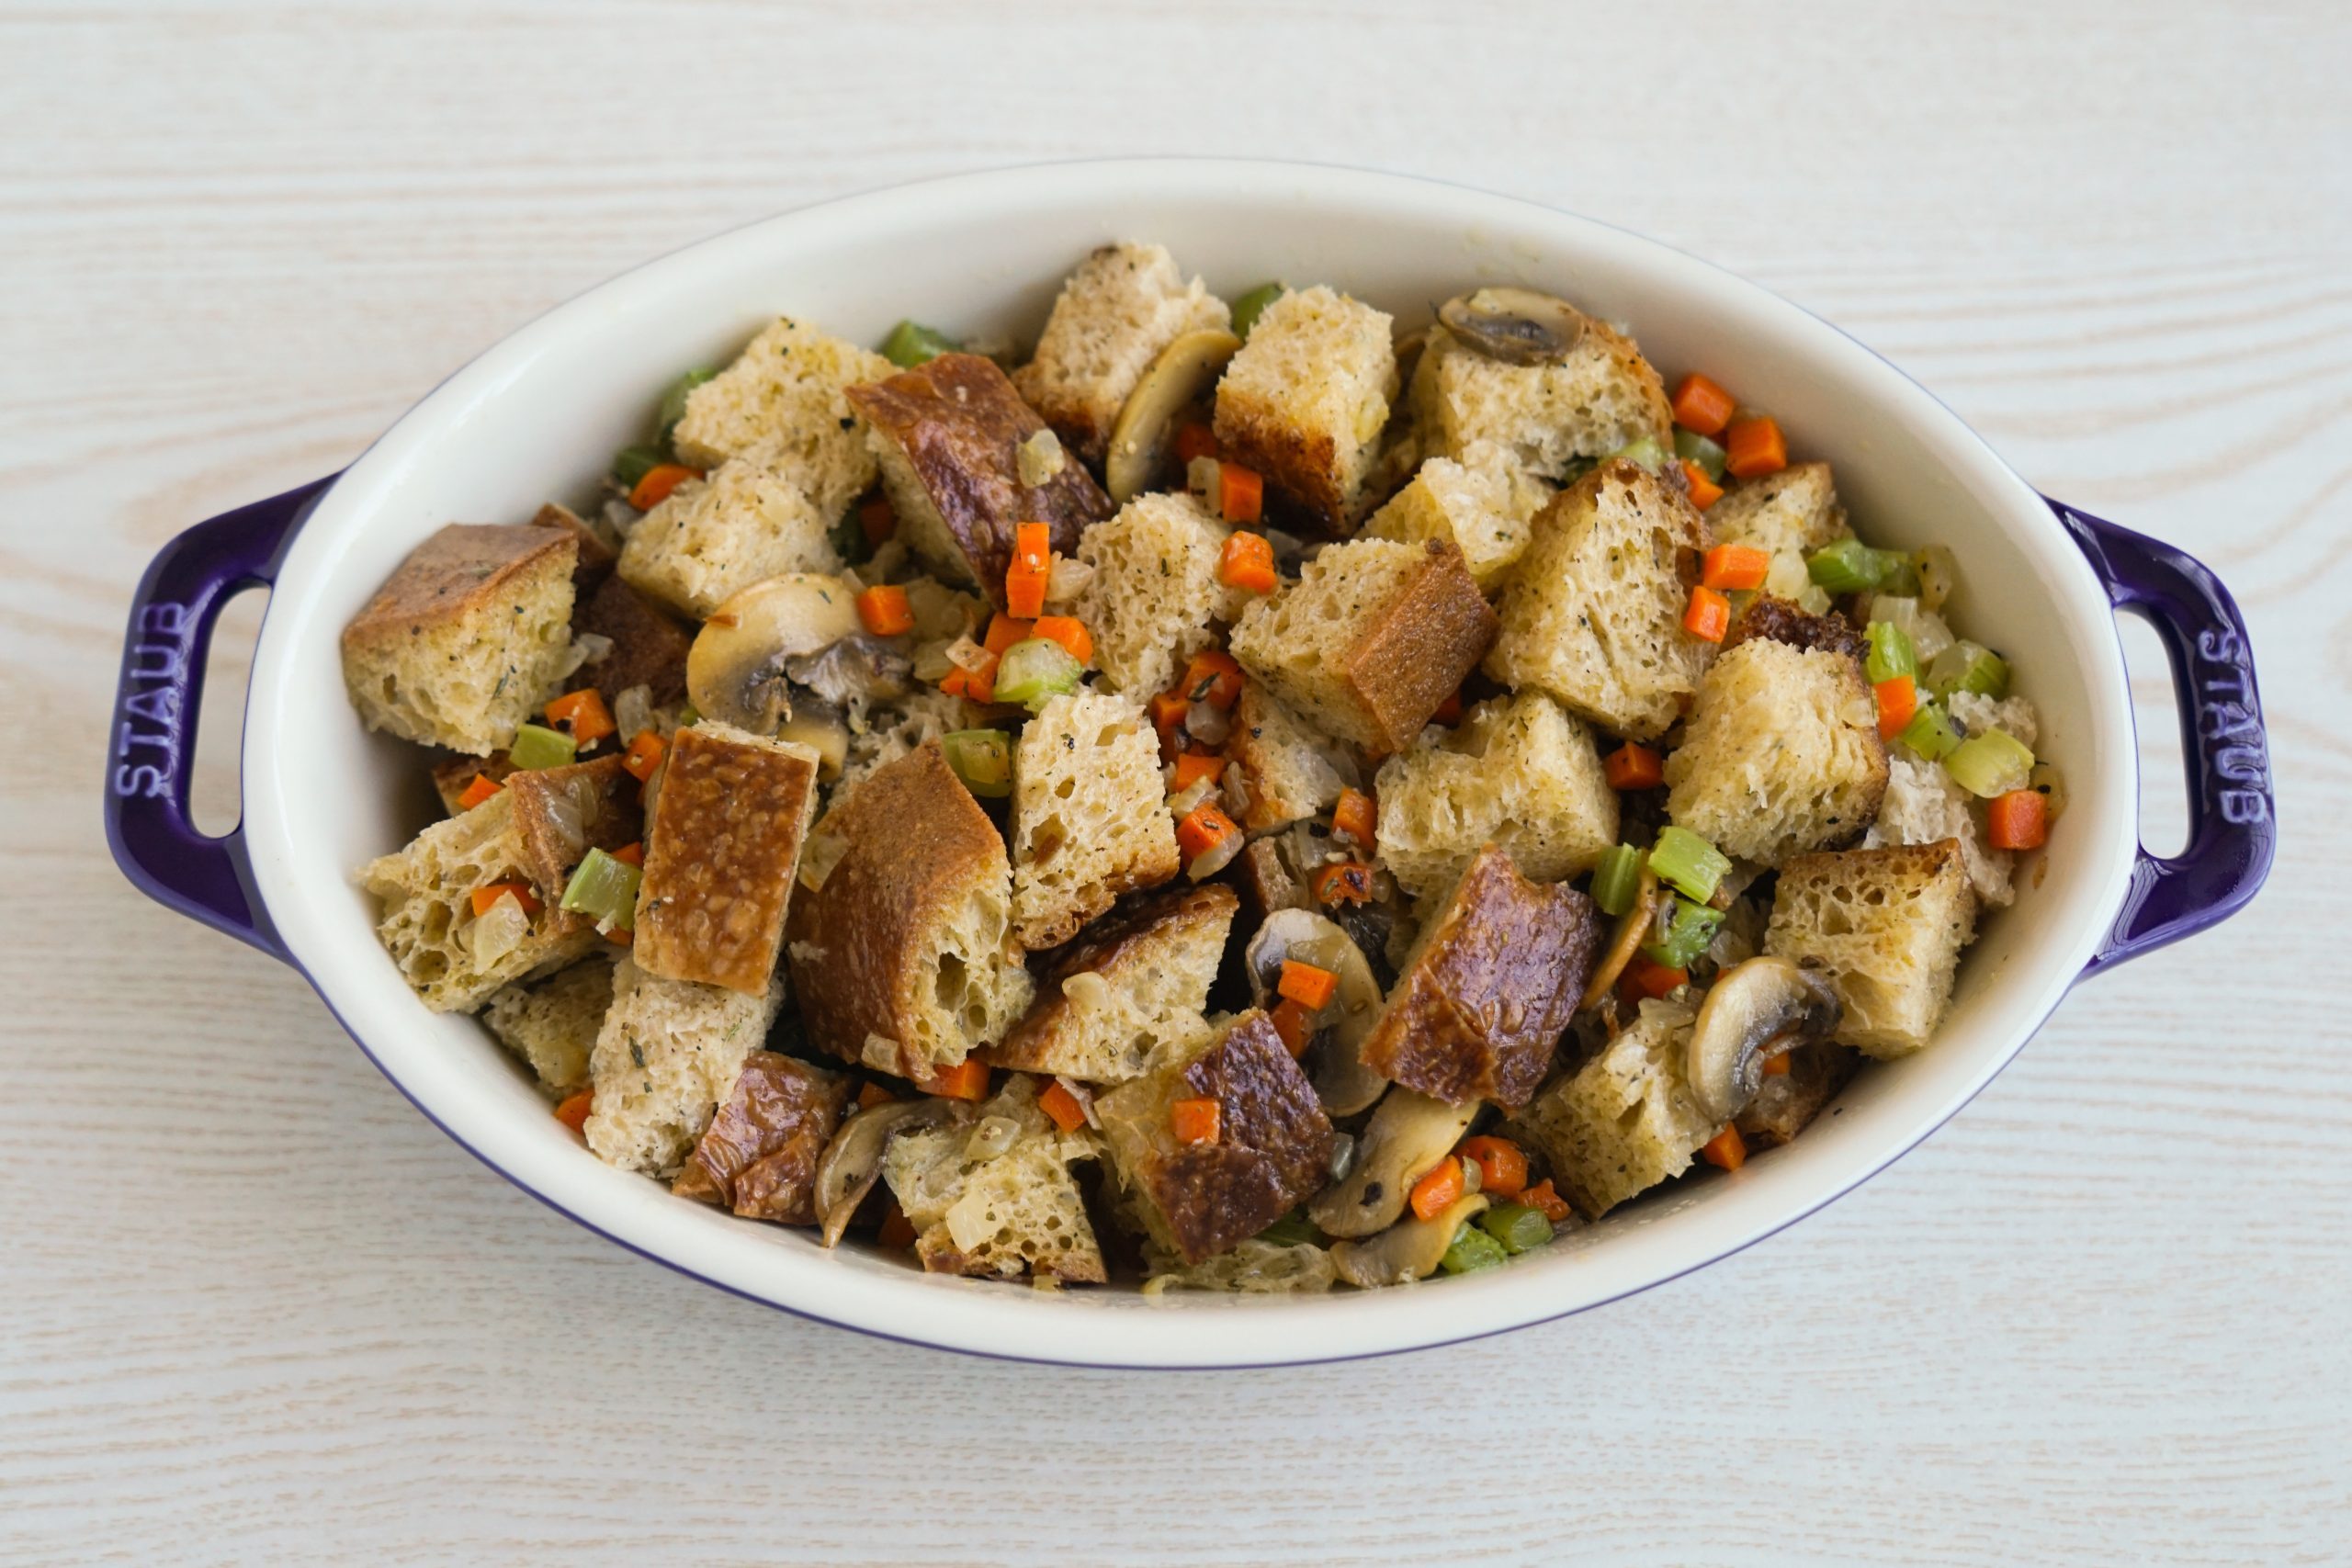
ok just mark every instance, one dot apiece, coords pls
pixel 252 1308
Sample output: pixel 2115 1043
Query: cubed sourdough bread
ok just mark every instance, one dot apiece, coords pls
pixel 1483 502
pixel 648 645
pixel 717 536
pixel 1155 591
pixel 995 1196
pixel 467 638
pixel 599 544
pixel 1604 397
pixel 1288 771
pixel 1593 611
pixel 783 406
pixel 758 1157
pixel 1371 639
pixel 1135 982
pixel 1885 928
pixel 1305 401
pixel 1626 1120
pixel 667 1054
pixel 1781 754
pixel 1519 771
pixel 1124 304
pixel 1795 510
pixel 1089 817
pixel 552 1024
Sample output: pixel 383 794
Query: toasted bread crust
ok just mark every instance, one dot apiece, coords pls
pixel 453 574
pixel 1299 464
pixel 721 848
pixel 1777 620
pixel 649 647
pixel 1115 947
pixel 596 558
pixel 1417 651
pixel 601 797
pixel 758 1157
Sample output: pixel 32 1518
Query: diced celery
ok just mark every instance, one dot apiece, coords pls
pixel 1616 878
pixel 1969 666
pixel 1693 448
pixel 982 759
pixel 1645 452
pixel 536 746
pixel 1688 862
pixel 673 402
pixel 1033 671
pixel 1517 1226
pixel 605 889
pixel 1251 306
pixel 1932 732
pixel 631 463
pixel 1292 1230
pixel 911 343
pixel 1472 1249
pixel 1683 935
pixel 1898 574
pixel 1890 652
pixel 1990 763
pixel 1844 565
pixel 1926 629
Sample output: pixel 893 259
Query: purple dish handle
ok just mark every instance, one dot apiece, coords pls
pixel 2233 826
pixel 156 702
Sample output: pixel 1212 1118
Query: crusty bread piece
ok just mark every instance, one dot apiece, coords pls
pixel 1371 639
pixel 1626 1120
pixel 1781 620
pixel 552 1024
pixel 599 545
pixel 758 1157
pixel 1288 771
pixel 1923 806
pixel 1134 981
pixel 1088 822
pixel 467 638
pixel 717 536
pixel 722 846
pixel 1781 754
pixel 1519 771
pixel 1787 1102
pixel 1154 589
pixel 451 957
pixel 1483 502
pixel 904 957
pixel 1267 880
pixel 1304 400
pixel 1124 304
pixel 649 646
pixel 1593 611
pixel 783 406
pixel 1490 982
pixel 562 813
pixel 1274 1144
pixel 667 1054
pixel 1016 1211
pixel 948 434
pixel 1604 397
pixel 1795 510
pixel 1885 926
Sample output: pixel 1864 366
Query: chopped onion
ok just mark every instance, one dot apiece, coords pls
pixel 932 662
pixel 1207 725
pixel 991 1137
pixel 1210 861
pixel 819 855
pixel 1039 458
pixel 968 1220
pixel 969 656
pixel 1068 580
pixel 633 712
pixel 1939 575
pixel 1194 792
pixel 497 931
pixel 1343 1155
pixel 1200 478
pixel 1086 989
pixel 621 516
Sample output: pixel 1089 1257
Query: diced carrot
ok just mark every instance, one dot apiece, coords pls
pixel 1502 1167
pixel 1646 977
pixel 1247 562
pixel 1195 439
pixel 1308 984
pixel 1195 766
pixel 1203 831
pixel 630 855
pixel 1196 1119
pixel 1449 712
pixel 876 521
pixel 1057 1102
pixel 979 685
pixel 1168 711
pixel 1355 818
pixel 573 1109
pixel 658 481
pixel 1633 766
pixel 898 1231
pixel 480 789
pixel 620 936
pixel 1545 1202
pixel 1032 544
pixel 583 715
pixel 1005 630
pixel 1241 493
pixel 1349 882
pixel 967 1079
pixel 644 755
pixel 871 1094
pixel 1436 1191
pixel 1070 633
pixel 1726 1149
pixel 1295 1023
pixel 1753 447
pixel 1704 491
pixel 957 683
pixel 483 898
pixel 1898 699
pixel 1735 568
pixel 884 612
pixel 2018 820
pixel 1032 565
pixel 1700 405
pixel 1709 615
pixel 1212 677
pixel 1777 1067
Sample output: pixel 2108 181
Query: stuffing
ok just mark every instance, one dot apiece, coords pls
pixel 1124 304
pixel 1519 772
pixel 1885 926
pixel 1305 401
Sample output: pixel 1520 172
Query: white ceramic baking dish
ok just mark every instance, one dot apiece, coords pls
pixel 539 415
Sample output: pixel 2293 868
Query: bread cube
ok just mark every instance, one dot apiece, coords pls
pixel 1134 981
pixel 1787 1102
pixel 466 638
pixel 1274 1144
pixel 1775 619
pixel 1795 511
pixel 758 1157
pixel 948 434
pixel 1885 928
pixel 649 647
pixel 1626 1120
pixel 722 847
pixel 717 536
pixel 1124 304
pixel 1490 983
pixel 1483 503
pixel 561 813
pixel 1288 771
pixel 902 957
pixel 982 1205
pixel 1781 754
pixel 1519 771
pixel 1090 821
pixel 1592 611
pixel 1305 401
pixel 881 736
pixel 552 1025
pixel 598 542
pixel 1267 881
pixel 1923 806
pixel 1371 639
pixel 667 1052
pixel 1602 398
pixel 1154 589
pixel 451 957
pixel 783 406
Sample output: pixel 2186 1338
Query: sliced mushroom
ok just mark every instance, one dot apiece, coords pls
pixel 736 671
pixel 1343 1082
pixel 852 1163
pixel 1753 1012
pixel 1632 926
pixel 820 727
pixel 1406 1137
pixel 1182 374
pixel 1409 1251
pixel 1518 326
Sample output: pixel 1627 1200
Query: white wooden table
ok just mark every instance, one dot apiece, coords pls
pixel 251 1308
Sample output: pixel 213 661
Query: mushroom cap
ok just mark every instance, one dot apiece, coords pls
pixel 1754 1010
pixel 735 670
pixel 1343 1082
pixel 852 1162
pixel 1518 326
pixel 1185 370
pixel 1409 1250
pixel 1406 1136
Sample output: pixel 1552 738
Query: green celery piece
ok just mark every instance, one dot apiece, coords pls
pixel 1688 862
pixel 605 890
pixel 631 463
pixel 1892 653
pixel 1293 1229
pixel 1990 763
pixel 1251 306
pixel 1471 1250
pixel 1843 566
pixel 1644 452
pixel 1932 732
pixel 1616 878
pixel 1517 1226
pixel 1693 448
pixel 536 746
pixel 1688 928
pixel 982 759
pixel 673 406
pixel 1035 670
pixel 1969 666
pixel 911 343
